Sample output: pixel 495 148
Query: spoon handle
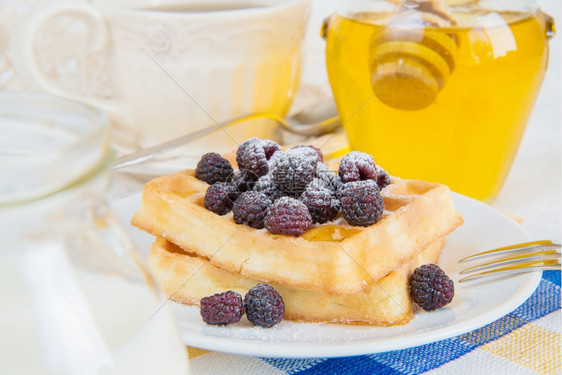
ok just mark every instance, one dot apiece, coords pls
pixel 142 155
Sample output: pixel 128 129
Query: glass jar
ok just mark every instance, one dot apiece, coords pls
pixel 75 296
pixel 439 90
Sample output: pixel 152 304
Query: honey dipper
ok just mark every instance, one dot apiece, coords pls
pixel 410 60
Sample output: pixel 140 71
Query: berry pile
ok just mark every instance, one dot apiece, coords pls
pixel 288 191
pixel 264 307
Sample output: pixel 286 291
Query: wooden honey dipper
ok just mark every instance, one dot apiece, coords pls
pixel 410 65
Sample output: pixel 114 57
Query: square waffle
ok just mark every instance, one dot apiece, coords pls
pixel 332 258
pixel 187 278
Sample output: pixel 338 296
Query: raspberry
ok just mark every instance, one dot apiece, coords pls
pixel 430 287
pixel 220 197
pixel 361 203
pixel 254 153
pixel 243 180
pixel 265 185
pixel 321 203
pixel 327 178
pixel 288 216
pixel 294 171
pixel 251 209
pixel 315 149
pixel 222 308
pixel 270 148
pixel 383 178
pixel 213 168
pixel 274 159
pixel 357 166
pixel 342 191
pixel 264 306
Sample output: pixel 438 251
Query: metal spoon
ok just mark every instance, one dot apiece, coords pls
pixel 321 118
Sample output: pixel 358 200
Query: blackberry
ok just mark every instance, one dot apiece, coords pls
pixel 383 178
pixel 270 148
pixel 312 148
pixel 222 308
pixel 251 209
pixel 264 306
pixel 213 168
pixel 266 185
pixel 293 172
pixel 357 166
pixel 321 202
pixel 362 204
pixel 274 159
pixel 430 287
pixel 243 180
pixel 342 191
pixel 305 152
pixel 220 197
pixel 253 155
pixel 288 216
pixel 327 178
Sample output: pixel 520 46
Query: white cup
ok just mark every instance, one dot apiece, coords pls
pixel 182 65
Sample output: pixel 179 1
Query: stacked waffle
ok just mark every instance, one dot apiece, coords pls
pixel 334 272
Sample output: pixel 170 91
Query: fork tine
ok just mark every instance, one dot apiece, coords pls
pixel 553 264
pixel 546 245
pixel 543 255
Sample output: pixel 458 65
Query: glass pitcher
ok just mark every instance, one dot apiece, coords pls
pixel 74 296
pixel 439 90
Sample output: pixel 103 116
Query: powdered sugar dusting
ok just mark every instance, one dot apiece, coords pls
pixel 305 152
pixel 356 166
pixel 232 338
pixel 285 201
pixel 358 156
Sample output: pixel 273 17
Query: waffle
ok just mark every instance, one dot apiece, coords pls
pixel 337 259
pixel 186 278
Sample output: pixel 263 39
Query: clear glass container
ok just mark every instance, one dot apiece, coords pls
pixel 74 294
pixel 439 90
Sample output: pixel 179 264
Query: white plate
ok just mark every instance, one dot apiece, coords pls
pixel 475 304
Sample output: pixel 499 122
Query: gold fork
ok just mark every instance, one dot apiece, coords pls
pixel 523 257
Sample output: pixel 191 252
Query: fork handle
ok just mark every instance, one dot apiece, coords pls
pixel 496 272
pixel 145 154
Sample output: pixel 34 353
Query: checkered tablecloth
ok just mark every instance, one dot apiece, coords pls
pixel 526 341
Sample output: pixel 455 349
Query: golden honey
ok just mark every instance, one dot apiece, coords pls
pixel 330 232
pixel 443 104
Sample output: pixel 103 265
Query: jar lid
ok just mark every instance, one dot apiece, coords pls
pixel 47 144
pixel 437 13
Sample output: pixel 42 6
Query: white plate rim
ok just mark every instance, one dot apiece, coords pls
pixel 528 283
